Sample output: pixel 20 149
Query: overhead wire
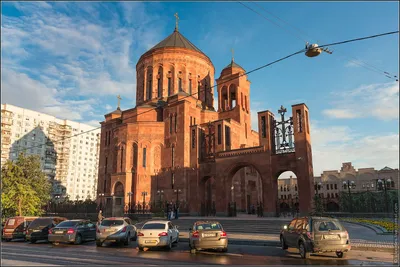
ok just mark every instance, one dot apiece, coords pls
pixel 152 109
pixel 353 60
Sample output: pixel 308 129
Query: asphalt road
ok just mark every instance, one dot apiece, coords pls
pixel 45 254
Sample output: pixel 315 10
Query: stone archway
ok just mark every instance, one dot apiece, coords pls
pixel 119 189
pixel 332 206
pixel 242 187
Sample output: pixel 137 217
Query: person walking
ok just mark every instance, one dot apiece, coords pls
pixel 100 217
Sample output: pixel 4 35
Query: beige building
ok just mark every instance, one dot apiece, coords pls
pixel 329 185
pixel 71 163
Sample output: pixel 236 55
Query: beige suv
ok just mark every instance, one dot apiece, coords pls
pixel 316 235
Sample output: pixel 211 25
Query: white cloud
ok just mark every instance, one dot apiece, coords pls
pixel 334 145
pixel 376 100
pixel 40 97
pixel 73 55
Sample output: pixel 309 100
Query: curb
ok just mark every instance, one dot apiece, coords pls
pixel 374 228
pixel 265 243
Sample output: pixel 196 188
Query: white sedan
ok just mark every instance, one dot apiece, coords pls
pixel 157 234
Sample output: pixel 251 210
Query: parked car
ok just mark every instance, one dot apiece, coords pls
pixel 15 227
pixel 115 229
pixel 73 231
pixel 39 228
pixel 157 234
pixel 316 235
pixel 207 235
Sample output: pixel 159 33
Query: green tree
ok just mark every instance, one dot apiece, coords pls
pixel 318 207
pixel 25 188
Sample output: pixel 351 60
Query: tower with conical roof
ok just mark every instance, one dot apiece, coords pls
pixel 234 97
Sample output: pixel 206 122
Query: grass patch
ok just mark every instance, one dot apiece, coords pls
pixel 387 225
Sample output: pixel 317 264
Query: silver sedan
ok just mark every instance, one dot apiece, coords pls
pixel 115 229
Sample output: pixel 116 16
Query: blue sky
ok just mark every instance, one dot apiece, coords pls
pixel 71 59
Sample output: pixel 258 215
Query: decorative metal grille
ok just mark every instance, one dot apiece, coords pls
pixel 284 134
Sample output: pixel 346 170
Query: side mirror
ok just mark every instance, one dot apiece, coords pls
pixel 190 229
pixel 285 227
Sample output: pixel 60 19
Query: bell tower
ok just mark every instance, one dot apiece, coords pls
pixel 234 98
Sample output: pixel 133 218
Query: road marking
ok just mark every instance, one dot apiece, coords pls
pixel 214 253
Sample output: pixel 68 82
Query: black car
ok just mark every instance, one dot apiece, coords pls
pixel 73 231
pixel 39 228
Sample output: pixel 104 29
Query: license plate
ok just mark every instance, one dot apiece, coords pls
pixel 36 231
pixel 331 237
pixel 150 241
pixel 58 232
pixel 109 230
pixel 209 235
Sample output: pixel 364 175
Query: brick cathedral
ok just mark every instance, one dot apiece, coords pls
pixel 173 145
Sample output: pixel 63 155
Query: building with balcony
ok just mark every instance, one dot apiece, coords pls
pixel 68 152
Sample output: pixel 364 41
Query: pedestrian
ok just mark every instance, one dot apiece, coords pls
pixel 100 217
pixel 169 208
pixel 176 212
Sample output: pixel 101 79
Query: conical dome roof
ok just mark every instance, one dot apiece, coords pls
pixel 176 39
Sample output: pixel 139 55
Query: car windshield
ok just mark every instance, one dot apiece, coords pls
pixel 112 222
pixel 41 222
pixel 67 224
pixel 209 226
pixel 323 226
pixel 154 226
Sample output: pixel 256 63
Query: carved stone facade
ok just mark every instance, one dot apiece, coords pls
pixel 330 184
pixel 174 140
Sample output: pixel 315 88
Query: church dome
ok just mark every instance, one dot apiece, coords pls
pixel 176 39
pixel 174 66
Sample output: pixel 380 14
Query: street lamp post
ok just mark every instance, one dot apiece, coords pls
pixel 368 186
pixel 384 183
pixel 177 191
pixel 144 194
pixel 56 203
pixel 350 185
pixel 130 201
pixel 160 193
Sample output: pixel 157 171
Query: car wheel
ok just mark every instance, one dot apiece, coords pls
pixel 303 252
pixel 141 248
pixel 127 241
pixel 78 239
pixel 283 244
pixel 340 254
pixel 225 250
pixel 177 239
pixel 99 243
pixel 169 246
pixel 33 241
pixel 8 239
pixel 134 238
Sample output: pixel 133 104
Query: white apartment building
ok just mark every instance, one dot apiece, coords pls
pixel 69 161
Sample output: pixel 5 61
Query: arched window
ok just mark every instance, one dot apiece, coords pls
pixel 149 85
pixel 122 159
pixel 169 86
pixel 170 124
pixel 176 123
pixel 190 84
pixel 135 155
pixel 180 84
pixel 173 156
pixel 144 157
